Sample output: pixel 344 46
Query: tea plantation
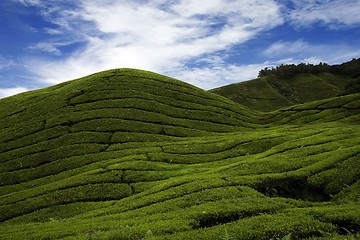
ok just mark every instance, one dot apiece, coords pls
pixel 269 93
pixel 130 154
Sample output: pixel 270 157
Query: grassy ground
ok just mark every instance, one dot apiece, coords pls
pixel 270 93
pixel 128 154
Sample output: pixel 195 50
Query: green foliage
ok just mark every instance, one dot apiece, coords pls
pixel 353 86
pixel 287 237
pixel 288 71
pixel 129 154
pixel 287 85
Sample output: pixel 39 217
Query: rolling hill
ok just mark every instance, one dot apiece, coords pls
pixel 270 93
pixel 130 154
pixel 287 85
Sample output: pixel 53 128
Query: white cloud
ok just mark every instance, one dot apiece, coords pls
pixel 46 47
pixel 6 92
pixel 6 63
pixel 155 35
pixel 302 51
pixel 209 77
pixel 170 36
pixel 30 2
pixel 53 31
pixel 334 13
pixel 289 48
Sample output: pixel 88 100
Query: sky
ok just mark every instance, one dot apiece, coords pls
pixel 207 43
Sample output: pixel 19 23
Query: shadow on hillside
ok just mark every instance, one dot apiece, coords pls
pixel 292 187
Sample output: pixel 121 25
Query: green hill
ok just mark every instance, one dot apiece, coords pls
pixel 286 85
pixel 129 154
pixel 270 93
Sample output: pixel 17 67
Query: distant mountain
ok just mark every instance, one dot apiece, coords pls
pixel 287 85
pixel 130 154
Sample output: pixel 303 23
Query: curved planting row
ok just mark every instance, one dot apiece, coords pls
pixel 345 109
pixel 127 154
pixel 232 179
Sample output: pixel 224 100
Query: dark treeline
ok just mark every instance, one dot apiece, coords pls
pixel 351 68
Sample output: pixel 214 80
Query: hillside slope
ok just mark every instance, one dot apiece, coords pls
pixel 271 93
pixel 129 154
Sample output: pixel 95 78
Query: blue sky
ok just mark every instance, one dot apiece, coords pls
pixel 206 43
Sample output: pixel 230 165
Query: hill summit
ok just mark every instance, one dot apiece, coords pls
pixel 130 154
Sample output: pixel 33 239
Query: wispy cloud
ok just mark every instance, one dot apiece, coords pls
pixel 219 75
pixel 30 2
pixel 333 13
pixel 5 92
pixel 281 48
pixel 6 63
pixel 157 35
pixel 302 51
pixel 47 47
pixel 204 44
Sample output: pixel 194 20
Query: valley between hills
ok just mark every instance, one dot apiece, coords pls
pixel 131 154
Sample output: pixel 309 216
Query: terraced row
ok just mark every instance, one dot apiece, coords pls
pixel 344 109
pixel 116 84
pixel 168 179
pixel 128 154
pixel 88 116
